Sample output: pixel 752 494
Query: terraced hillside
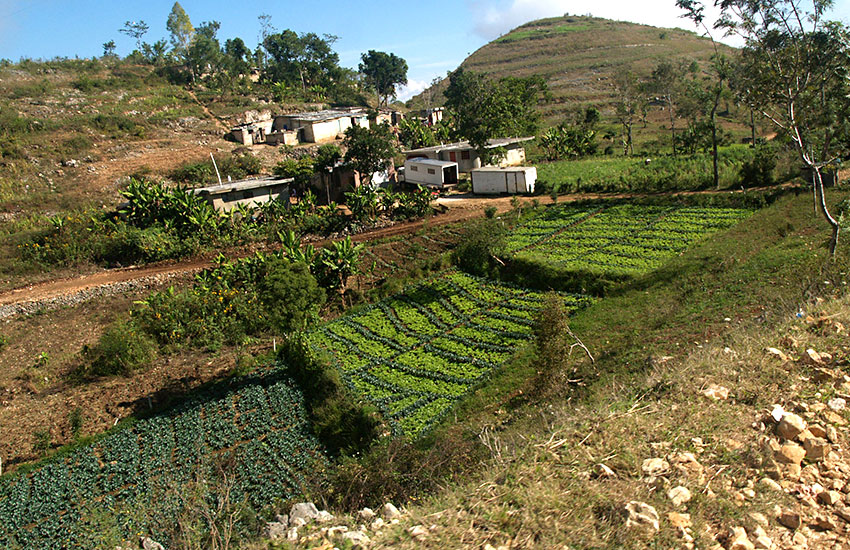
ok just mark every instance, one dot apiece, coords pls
pixel 578 57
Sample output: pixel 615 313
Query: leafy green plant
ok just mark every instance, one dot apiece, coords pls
pixel 122 349
pixel 75 420
pixel 41 441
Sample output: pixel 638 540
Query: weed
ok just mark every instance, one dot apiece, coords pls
pixel 75 420
pixel 122 349
pixel 41 441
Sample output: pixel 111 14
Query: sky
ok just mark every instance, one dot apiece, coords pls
pixel 434 37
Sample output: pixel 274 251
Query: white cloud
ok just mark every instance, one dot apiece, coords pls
pixel 495 18
pixel 412 88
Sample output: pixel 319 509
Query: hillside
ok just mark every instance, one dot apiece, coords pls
pixel 578 57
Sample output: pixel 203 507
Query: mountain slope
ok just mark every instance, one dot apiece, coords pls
pixel 578 57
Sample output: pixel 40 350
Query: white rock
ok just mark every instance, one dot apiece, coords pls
pixel 303 510
pixel 679 495
pixel 768 483
pixel 150 544
pixel 324 516
pixel 605 472
pixel 715 392
pixel 337 530
pixel 790 426
pixel 837 404
pixel 642 517
pixel 366 514
pixel 358 539
pixel 418 532
pixel 376 524
pixel 777 413
pixel 763 543
pixel 389 511
pixel 276 530
pixel 777 353
pixel 655 466
pixel 738 540
pixel 292 535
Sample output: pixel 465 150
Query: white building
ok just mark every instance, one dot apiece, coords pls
pixel 467 157
pixel 430 172
pixel 321 126
pixel 494 180
pixel 253 192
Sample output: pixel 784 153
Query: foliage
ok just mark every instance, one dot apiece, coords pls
pixel 759 170
pixel 483 242
pixel 301 60
pixel 290 295
pixel 567 141
pixel 369 150
pixel 301 170
pixel 415 354
pixel 383 72
pixel 484 109
pixel 122 349
pixel 181 29
pixel 413 133
pixel 4 341
pixel 236 166
pixel 338 262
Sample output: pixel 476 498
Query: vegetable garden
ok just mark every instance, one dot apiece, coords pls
pixel 258 425
pixel 620 240
pixel 415 354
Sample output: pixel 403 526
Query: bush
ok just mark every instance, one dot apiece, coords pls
pixel 758 171
pixel 290 294
pixel 480 247
pixel 122 349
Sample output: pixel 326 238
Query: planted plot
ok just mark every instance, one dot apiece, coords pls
pixel 417 353
pixel 626 239
pixel 259 427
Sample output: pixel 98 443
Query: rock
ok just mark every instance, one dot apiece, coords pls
pixel 679 495
pixel 276 530
pixel 814 357
pixel 292 534
pixel 790 453
pixel 800 539
pixel 763 543
pixel 358 539
pixel 680 521
pixel 830 498
pixel 305 511
pixel 817 449
pixel 389 511
pixel 837 404
pixel 376 524
pixel 336 530
pixel 655 467
pixel 832 434
pixel 688 465
pixel 817 430
pixel 715 392
pixel 150 544
pixel 790 426
pixel 298 522
pixel 777 413
pixel 789 519
pixel 642 517
pixel 768 483
pixel 824 523
pixel 738 540
pixel 324 516
pixel 843 512
pixel 777 353
pixel 834 418
pixel 418 532
pixel 604 472
pixel 759 518
pixel 366 514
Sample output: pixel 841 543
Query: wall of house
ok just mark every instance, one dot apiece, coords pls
pixel 226 202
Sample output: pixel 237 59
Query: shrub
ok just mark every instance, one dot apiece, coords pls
pixel 122 349
pixel 290 294
pixel 478 250
pixel 490 212
pixel 758 171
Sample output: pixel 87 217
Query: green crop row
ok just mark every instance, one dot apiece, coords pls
pixel 258 426
pixel 415 354
pixel 621 240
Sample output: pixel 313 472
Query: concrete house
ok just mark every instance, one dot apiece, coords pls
pixel 495 180
pixel 321 126
pixel 253 192
pixel 466 156
pixel 430 172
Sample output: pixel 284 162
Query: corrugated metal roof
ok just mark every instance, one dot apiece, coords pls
pixel 463 145
pixel 242 185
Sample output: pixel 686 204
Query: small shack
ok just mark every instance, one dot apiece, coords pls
pixel 430 172
pixel 493 180
pixel 465 155
pixel 321 126
pixel 253 192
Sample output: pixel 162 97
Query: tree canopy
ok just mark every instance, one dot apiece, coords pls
pixel 301 60
pixel 383 72
pixel 180 27
pixel 369 149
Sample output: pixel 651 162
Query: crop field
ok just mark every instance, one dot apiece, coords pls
pixel 415 354
pixel 621 240
pixel 258 426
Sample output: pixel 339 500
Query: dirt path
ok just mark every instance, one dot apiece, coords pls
pixel 460 208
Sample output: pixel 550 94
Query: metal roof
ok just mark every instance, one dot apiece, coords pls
pixel 432 162
pixel 320 116
pixel 242 185
pixel 462 145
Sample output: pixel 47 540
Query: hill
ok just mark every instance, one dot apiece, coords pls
pixel 578 57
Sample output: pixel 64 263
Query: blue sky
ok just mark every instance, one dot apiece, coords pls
pixel 434 37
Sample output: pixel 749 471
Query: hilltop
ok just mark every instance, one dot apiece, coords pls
pixel 578 57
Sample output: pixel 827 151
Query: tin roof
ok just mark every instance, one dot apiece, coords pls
pixel 432 162
pixel 465 145
pixel 242 185
pixel 321 116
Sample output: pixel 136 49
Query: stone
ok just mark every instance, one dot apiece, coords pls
pixel 389 511
pixel 790 453
pixel 800 539
pixel 834 418
pixel 768 483
pixel 789 519
pixel 817 430
pixel 738 540
pixel 688 465
pixel 830 498
pixel 337 530
pixel 759 518
pixel 715 392
pixel 680 521
pixel 366 514
pixel 306 511
pixel 324 516
pixel 358 539
pixel 150 544
pixel 376 524
pixel 814 357
pixel 292 534
pixel 276 530
pixel 655 467
pixel 817 449
pixel 297 522
pixel 418 532
pixel 790 426
pixel 763 543
pixel 777 353
pixel 604 472
pixel 837 404
pixel 679 495
pixel 832 434
pixel 642 517
pixel 824 523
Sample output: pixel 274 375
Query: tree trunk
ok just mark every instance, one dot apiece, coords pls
pixel 753 127
pixel 672 126
pixel 836 227
pixel 714 146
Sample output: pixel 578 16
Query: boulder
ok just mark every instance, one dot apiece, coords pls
pixel 358 539
pixel 790 453
pixel 366 514
pixel 738 540
pixel 715 392
pixel 389 511
pixel 817 449
pixel 276 530
pixel 790 426
pixel 679 495
pixel 150 544
pixel 418 532
pixel 305 511
pixel 789 519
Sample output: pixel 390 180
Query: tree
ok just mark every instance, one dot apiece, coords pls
pixel 369 150
pixel 306 59
pixel 181 29
pixel 631 104
pixel 109 49
pixel 484 109
pixel 341 260
pixel 383 72
pixel 204 53
pixel 290 295
pixel 666 81
pixel 797 73
pixel 326 158
pixel 135 30
pixel 414 134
